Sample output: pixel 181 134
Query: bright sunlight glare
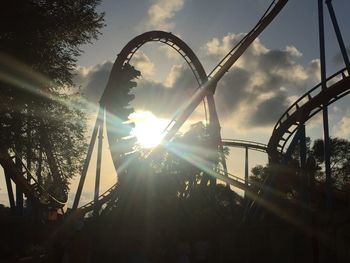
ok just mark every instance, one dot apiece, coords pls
pixel 148 128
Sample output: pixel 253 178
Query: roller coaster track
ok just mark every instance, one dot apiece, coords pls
pixel 231 179
pixel 122 146
pixel 220 70
pixel 38 195
pixel 313 101
pixel 256 146
pixel 108 195
pixel 120 153
pixel 302 110
pixel 122 60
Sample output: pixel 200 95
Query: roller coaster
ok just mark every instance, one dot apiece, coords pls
pixel 114 111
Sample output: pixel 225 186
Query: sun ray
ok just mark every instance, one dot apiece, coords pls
pixel 148 128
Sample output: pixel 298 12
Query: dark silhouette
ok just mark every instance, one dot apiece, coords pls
pixel 41 116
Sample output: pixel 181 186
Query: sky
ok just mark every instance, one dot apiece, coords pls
pixel 280 66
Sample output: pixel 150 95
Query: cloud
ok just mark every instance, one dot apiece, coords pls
pixel 142 62
pixel 160 13
pixel 268 110
pixel 253 94
pixel 261 84
pixel 343 128
pixel 93 80
pixel 163 99
pixel 169 52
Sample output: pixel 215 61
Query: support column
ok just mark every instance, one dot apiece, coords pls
pixel 338 34
pixel 246 170
pixel 303 173
pixel 325 110
pixel 19 192
pixel 10 192
pixel 98 164
pixel 87 161
pixel 215 130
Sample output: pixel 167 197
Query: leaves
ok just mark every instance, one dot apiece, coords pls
pixel 40 116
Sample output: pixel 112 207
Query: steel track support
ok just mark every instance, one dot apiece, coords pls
pixel 215 129
pixel 246 172
pixel 10 192
pixel 338 34
pixel 303 173
pixel 87 161
pixel 98 164
pixel 19 191
pixel 296 139
pixel 325 110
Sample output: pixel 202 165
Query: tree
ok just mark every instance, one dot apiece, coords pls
pixel 41 114
pixel 340 159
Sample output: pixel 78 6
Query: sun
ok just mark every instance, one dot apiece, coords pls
pixel 148 128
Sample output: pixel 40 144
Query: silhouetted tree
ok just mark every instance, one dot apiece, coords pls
pixel 340 160
pixel 41 114
pixel 287 179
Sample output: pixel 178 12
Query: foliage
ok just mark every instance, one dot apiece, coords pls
pixel 340 159
pixel 46 35
pixel 287 179
pixel 41 114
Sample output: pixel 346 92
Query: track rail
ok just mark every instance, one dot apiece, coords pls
pixel 169 39
pixel 123 59
pixel 102 199
pixel 313 101
pixel 206 88
pixel 122 150
pixel 256 146
pixel 37 194
pixel 220 70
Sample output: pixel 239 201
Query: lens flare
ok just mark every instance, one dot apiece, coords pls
pixel 148 128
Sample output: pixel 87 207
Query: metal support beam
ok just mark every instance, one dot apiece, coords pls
pixel 98 165
pixel 10 192
pixel 214 129
pixel 246 170
pixel 303 172
pixel 325 110
pixel 338 34
pixel 302 149
pixel 296 139
pixel 19 191
pixel 87 161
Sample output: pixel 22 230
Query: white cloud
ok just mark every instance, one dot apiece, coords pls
pixel 175 73
pixel 262 82
pixel 343 129
pixel 93 79
pixel 254 93
pixel 161 12
pixel 169 52
pixel 142 62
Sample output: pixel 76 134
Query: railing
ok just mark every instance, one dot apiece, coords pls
pixel 36 186
pixel 244 143
pixel 89 206
pixel 308 96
